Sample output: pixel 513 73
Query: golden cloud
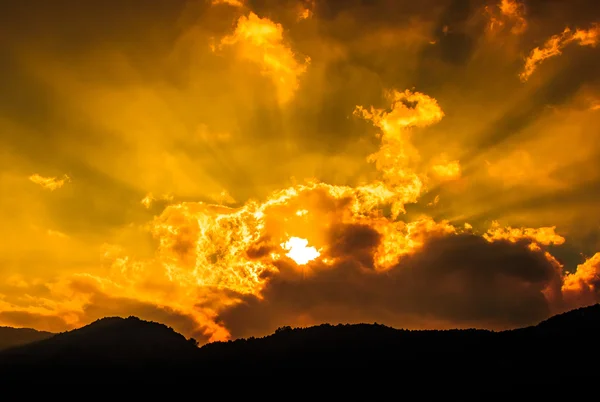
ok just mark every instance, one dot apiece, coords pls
pixel 49 183
pixel 508 12
pixel 305 9
pixel 396 154
pixel 261 41
pixel 233 3
pixel 553 47
pixel 223 198
pixel 446 170
pixel 544 235
pixel 582 287
pixel 149 199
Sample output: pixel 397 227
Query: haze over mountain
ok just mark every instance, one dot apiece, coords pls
pixel 10 337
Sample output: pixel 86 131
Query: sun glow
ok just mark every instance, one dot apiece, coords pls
pixel 299 251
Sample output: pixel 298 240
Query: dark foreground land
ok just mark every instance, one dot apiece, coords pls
pixel 561 349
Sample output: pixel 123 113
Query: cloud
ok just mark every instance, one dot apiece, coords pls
pixel 507 12
pixel 582 287
pixel 206 135
pixel 223 198
pixel 434 202
pixel 544 235
pixel 261 41
pixel 233 3
pixel 305 9
pixel 56 233
pixel 457 280
pixel 553 47
pixel 149 199
pixel 446 170
pixel 49 183
pixel 396 155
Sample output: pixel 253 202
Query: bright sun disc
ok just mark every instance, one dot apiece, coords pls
pixel 298 250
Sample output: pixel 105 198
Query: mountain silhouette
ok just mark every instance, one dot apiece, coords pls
pixel 109 348
pixel 115 348
pixel 576 322
pixel 108 340
pixel 12 337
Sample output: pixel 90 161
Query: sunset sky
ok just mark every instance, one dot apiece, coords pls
pixel 227 167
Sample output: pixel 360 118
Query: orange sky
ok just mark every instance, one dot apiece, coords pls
pixel 227 167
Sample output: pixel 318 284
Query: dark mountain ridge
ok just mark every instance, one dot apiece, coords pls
pixel 115 348
pixel 110 340
pixel 584 318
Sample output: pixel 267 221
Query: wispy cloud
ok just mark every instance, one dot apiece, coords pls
pixel 49 183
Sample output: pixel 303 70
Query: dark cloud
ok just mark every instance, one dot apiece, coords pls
pixel 72 26
pixel 553 15
pixel 458 279
pixel 357 242
pixel 454 43
pixel 260 249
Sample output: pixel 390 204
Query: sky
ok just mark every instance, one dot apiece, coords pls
pixel 227 167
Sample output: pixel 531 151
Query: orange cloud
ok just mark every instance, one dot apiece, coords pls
pixel 447 170
pixel 507 12
pixel 261 41
pixel 435 201
pixel 56 233
pixel 203 133
pixel 223 198
pixel 49 183
pixel 582 287
pixel 545 235
pixel 233 3
pixel 304 14
pixel 396 154
pixel 305 10
pixel 400 239
pixel 553 47
pixel 149 199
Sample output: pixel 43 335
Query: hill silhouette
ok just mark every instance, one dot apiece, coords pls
pixel 111 346
pixel 116 348
pixel 576 321
pixel 12 337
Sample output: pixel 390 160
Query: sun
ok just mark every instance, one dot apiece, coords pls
pixel 299 251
